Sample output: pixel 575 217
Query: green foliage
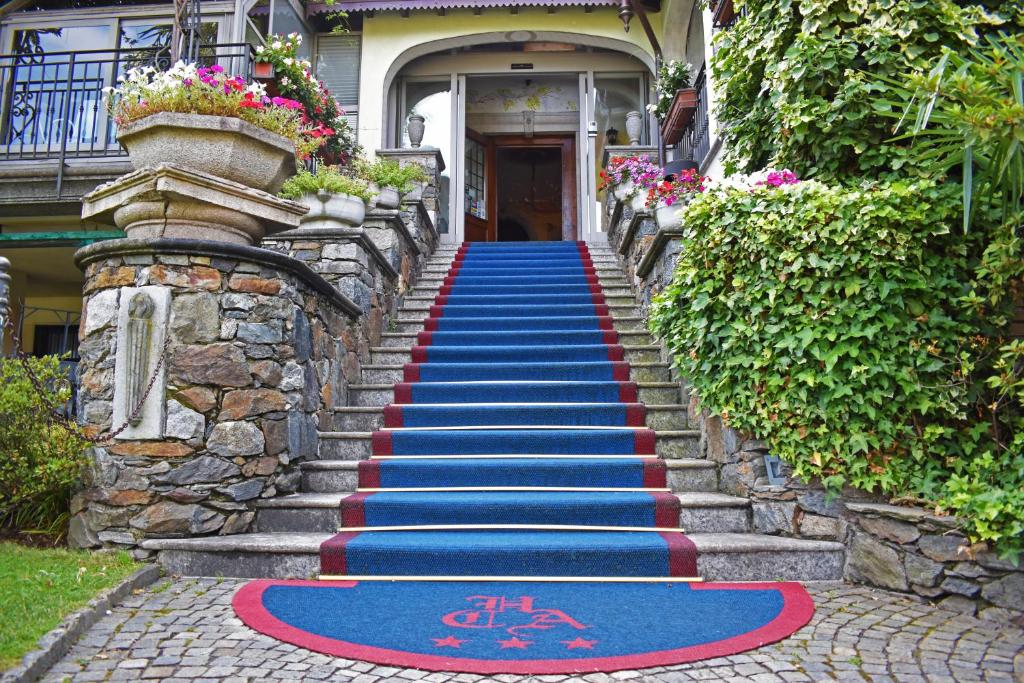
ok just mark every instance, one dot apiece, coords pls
pixel 967 115
pixel 326 178
pixel 40 587
pixel 800 78
pixel 849 328
pixel 42 460
pixel 389 173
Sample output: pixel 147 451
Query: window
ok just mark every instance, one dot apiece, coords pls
pixel 337 65
pixel 476 190
pixel 41 105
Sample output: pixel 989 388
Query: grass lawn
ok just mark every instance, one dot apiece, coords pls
pixel 40 586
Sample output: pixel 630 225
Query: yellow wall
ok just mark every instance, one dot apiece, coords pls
pixel 387 35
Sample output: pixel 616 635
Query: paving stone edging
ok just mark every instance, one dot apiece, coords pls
pixel 55 644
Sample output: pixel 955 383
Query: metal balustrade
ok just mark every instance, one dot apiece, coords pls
pixel 696 141
pixel 52 103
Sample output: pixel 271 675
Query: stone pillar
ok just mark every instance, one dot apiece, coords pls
pixel 256 344
pixel 431 160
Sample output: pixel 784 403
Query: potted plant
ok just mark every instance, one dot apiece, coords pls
pixel 667 198
pixel 629 178
pixel 202 119
pixel 331 197
pixel 389 180
pixel 286 74
pixel 676 101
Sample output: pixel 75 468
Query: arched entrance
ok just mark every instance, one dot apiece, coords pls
pixel 522 119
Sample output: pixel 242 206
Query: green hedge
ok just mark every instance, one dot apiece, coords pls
pixel 40 460
pixel 841 325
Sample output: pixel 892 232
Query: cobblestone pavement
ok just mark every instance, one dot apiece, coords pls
pixel 185 630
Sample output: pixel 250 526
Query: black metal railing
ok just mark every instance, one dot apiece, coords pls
pixel 696 139
pixel 52 103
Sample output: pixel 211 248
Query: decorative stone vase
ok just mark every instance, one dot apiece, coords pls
pixel 388 198
pixel 221 146
pixel 669 217
pixel 416 129
pixel 326 210
pixel 634 127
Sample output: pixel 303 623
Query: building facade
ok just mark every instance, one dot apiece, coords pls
pixel 523 98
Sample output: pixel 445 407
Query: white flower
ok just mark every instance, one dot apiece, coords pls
pixel 289 61
pixel 276 45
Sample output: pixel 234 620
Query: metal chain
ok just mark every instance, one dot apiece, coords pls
pixel 55 413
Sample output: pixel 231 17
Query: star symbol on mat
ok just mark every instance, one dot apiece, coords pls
pixel 514 642
pixel 450 641
pixel 579 643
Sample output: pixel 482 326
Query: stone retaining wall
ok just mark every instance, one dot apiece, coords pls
pixel 260 349
pixel 900 548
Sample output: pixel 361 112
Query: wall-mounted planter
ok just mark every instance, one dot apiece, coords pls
pixel 684 106
pixel 262 70
pixel 723 13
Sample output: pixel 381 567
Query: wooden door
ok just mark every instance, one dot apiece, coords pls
pixel 567 145
pixel 481 216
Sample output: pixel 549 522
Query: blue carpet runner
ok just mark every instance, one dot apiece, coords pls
pixel 516 445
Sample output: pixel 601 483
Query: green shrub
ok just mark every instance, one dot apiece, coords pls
pixel 327 178
pixel 837 324
pixel 799 77
pixel 389 173
pixel 41 460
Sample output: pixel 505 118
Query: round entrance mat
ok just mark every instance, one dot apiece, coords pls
pixel 524 627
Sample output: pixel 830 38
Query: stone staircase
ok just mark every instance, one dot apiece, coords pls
pixel 291 528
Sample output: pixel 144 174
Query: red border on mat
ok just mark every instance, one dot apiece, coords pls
pixel 666 511
pixel 411 372
pixel 381 441
pixel 424 338
pixel 682 554
pixel 353 509
pixel 797 610
pixel 616 352
pixel 636 414
pixel 393 416
pixel 644 442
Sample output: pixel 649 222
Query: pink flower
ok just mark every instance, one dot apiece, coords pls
pixel 217 68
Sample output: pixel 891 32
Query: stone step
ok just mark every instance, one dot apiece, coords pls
pixel 602 268
pixel 404 340
pixel 686 475
pixel 397 355
pixel 446 258
pixel 420 302
pixel 302 512
pixel 638 372
pixel 650 393
pixel 620 290
pixel 415 309
pixel 430 283
pixel 682 443
pixel 369 418
pixel 720 557
pixel 410 323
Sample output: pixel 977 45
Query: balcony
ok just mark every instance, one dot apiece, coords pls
pixel 57 141
pixel 696 140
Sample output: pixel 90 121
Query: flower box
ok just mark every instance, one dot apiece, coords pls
pixel 684 106
pixel 723 14
pixel 263 71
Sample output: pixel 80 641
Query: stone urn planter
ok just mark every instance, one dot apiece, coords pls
pixel 622 191
pixel 669 217
pixel 386 197
pixel 638 202
pixel 327 210
pixel 220 146
pixel 634 127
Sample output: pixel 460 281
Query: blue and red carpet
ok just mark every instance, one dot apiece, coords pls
pixel 524 628
pixel 516 449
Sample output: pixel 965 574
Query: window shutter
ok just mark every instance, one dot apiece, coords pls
pixel 338 67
